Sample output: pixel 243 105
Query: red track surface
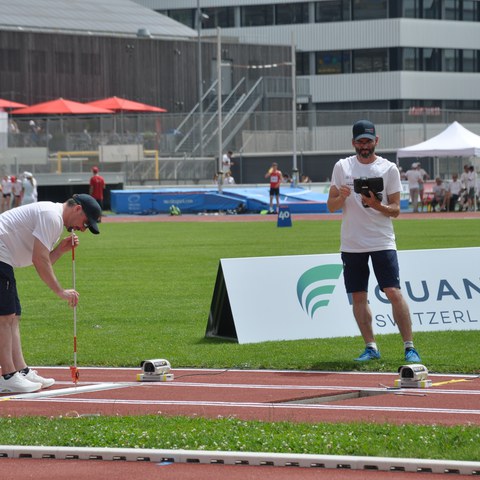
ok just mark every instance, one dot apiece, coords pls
pixel 256 395
pixel 260 395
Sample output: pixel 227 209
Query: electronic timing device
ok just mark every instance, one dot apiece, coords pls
pixel 157 370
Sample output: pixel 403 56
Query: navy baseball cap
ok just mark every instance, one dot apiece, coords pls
pixel 92 210
pixel 364 129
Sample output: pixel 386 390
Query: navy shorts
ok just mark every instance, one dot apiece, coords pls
pixel 356 271
pixel 9 302
pixel 274 191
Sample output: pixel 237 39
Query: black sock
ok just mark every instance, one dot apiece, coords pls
pixel 24 370
pixel 8 376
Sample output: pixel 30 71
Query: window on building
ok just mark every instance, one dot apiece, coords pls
pixel 257 15
pixel 328 63
pixel 184 15
pixel 222 17
pixel 372 9
pixel 451 60
pixel 332 11
pixel 466 10
pixel 372 60
pixel 289 13
pixel 470 61
pixel 302 61
pixel 432 60
pixel 432 9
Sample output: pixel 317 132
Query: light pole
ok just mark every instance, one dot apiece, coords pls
pixel 199 16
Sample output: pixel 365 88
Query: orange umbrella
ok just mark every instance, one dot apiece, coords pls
pixel 60 106
pixel 10 104
pixel 119 104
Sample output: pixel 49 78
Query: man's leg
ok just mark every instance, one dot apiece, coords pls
pixel 17 353
pixel 6 344
pixel 363 315
pixel 401 312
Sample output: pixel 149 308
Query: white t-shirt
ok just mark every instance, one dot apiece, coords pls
pixel 365 229
pixel 226 163
pixel 30 194
pixel 414 177
pixel 20 226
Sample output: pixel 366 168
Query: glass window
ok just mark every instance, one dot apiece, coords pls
pixel 222 17
pixel 451 60
pixel 432 9
pixel 290 13
pixel 332 11
pixel 411 8
pixel 363 10
pixel 302 61
pixel 452 11
pixel 411 59
pixel 432 60
pixel 257 15
pixel 184 15
pixel 373 60
pixel 470 61
pixel 332 62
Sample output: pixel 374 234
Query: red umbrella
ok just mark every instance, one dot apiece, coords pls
pixel 123 105
pixel 60 106
pixel 10 104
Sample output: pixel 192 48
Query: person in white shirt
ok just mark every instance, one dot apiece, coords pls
pixel 367 232
pixel 17 190
pixel 29 189
pixel 453 192
pixel 29 235
pixel 6 193
pixel 415 180
pixel 471 185
pixel 227 162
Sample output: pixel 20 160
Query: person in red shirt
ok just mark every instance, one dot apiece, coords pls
pixel 97 186
pixel 275 180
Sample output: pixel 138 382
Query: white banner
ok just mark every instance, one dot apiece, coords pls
pixel 298 297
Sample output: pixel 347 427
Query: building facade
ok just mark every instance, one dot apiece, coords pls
pixel 359 54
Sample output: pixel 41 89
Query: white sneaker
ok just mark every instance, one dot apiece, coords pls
pixel 34 377
pixel 18 384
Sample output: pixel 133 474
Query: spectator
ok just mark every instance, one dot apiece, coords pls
pixel 414 178
pixel 29 189
pixel 16 191
pixel 227 162
pixel 97 186
pixel 453 192
pixel 228 179
pixel 425 176
pixel 6 193
pixel 471 187
pixel 439 195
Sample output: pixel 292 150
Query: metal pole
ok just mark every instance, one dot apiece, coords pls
pixel 199 76
pixel 219 108
pixel 294 115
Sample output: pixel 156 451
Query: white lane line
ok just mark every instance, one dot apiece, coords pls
pixel 275 406
pixel 67 391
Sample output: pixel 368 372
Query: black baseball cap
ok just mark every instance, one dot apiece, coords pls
pixel 91 209
pixel 364 129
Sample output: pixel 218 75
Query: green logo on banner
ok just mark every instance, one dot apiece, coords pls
pixel 318 282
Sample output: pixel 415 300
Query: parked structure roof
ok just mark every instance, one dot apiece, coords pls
pixel 109 17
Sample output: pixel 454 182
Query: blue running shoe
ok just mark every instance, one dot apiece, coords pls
pixel 412 356
pixel 368 354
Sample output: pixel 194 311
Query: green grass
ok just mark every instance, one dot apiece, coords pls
pixel 146 290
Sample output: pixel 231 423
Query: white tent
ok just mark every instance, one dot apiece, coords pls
pixel 454 141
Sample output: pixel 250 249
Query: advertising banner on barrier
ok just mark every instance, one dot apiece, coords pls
pixel 298 297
